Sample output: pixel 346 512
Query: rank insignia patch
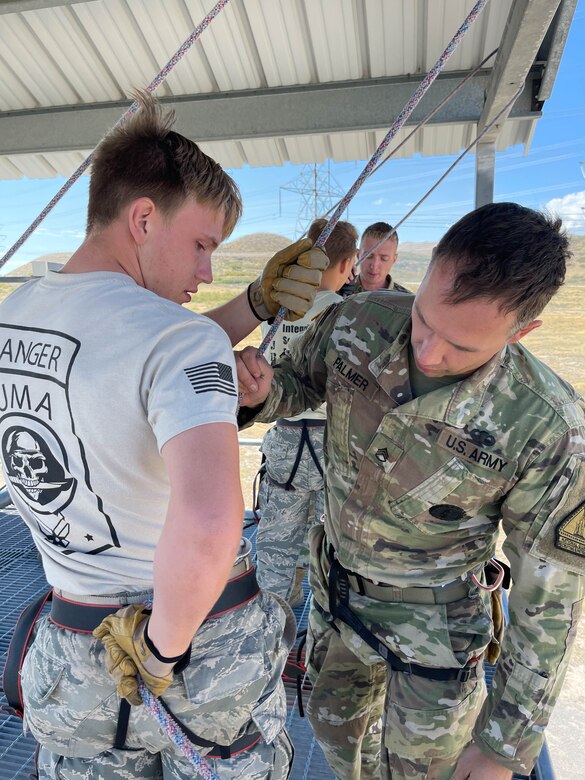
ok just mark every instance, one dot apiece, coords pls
pixel 570 532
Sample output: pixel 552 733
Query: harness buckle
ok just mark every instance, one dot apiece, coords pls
pixel 343 589
pixel 466 672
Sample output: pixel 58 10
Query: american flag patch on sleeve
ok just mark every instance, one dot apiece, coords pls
pixel 212 378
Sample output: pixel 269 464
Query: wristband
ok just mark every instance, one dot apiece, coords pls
pixel 154 650
pixel 253 310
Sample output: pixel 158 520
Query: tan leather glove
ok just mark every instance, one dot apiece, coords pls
pixel 291 279
pixel 130 651
pixel 492 652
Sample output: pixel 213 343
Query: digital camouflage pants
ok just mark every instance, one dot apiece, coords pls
pixel 231 687
pixel 377 724
pixel 286 515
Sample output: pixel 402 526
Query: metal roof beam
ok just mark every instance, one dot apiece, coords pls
pixel 559 32
pixel 17 6
pixel 289 111
pixel 526 27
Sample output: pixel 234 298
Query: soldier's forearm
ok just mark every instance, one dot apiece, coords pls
pixel 544 607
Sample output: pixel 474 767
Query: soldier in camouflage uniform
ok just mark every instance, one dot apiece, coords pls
pixel 376 259
pixel 442 430
pixel 290 498
pixel 121 453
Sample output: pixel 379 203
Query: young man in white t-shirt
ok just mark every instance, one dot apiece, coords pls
pixel 291 494
pixel 119 442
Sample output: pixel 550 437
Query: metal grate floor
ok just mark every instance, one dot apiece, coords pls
pixel 22 579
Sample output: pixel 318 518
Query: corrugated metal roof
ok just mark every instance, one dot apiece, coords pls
pixel 59 56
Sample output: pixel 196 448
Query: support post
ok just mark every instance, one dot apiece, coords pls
pixel 485 159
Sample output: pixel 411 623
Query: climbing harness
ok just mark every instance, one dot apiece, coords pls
pixel 338 609
pixel 83 614
pixel 262 472
pixel 305 441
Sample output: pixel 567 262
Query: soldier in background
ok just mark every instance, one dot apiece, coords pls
pixel 290 497
pixel 374 270
pixel 442 430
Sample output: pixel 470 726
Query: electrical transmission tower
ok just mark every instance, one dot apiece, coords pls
pixel 318 192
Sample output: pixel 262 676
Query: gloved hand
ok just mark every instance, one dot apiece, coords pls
pixel 290 279
pixel 492 652
pixel 130 651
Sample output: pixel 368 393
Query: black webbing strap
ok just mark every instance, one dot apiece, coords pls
pixel 21 639
pixel 260 474
pixel 236 593
pixel 122 725
pixel 217 751
pixel 84 618
pixel 312 451
pixel 79 617
pixel 305 439
pixel 339 610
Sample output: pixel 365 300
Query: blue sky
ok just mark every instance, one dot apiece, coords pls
pixel 551 175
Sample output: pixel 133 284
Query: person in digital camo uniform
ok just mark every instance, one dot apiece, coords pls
pixel 378 261
pixel 441 431
pixel 290 497
pixel 120 447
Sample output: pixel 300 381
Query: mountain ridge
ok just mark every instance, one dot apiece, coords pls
pixel 242 259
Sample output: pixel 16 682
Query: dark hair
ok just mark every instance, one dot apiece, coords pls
pixel 341 243
pixel 507 253
pixel 378 230
pixel 143 157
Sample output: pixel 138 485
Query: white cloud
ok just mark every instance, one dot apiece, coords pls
pixel 571 209
pixel 377 202
pixel 65 233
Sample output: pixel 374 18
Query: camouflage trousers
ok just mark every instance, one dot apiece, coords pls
pixel 231 687
pixel 374 723
pixel 286 515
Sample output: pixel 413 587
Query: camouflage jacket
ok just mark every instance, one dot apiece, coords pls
pixel 351 288
pixel 417 489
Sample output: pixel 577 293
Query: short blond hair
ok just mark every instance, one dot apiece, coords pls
pixel 380 230
pixel 144 157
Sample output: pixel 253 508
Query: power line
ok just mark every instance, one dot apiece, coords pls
pixel 318 192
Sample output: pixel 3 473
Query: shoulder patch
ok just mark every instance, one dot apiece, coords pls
pixel 570 532
pixel 561 539
pixel 211 377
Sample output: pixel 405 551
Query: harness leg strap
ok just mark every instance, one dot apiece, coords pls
pixel 122 726
pixel 339 610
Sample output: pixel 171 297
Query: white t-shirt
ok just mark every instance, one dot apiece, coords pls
pixel 96 374
pixel 289 330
